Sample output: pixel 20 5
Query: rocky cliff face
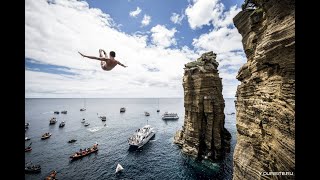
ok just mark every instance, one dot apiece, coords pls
pixel 203 134
pixel 266 96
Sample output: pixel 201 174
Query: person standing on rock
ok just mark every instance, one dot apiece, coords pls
pixel 107 64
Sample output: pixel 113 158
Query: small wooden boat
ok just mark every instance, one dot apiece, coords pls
pixel 27 149
pixel 64 112
pixel 86 124
pixel 83 120
pixel 27 138
pixel 45 135
pixel 146 114
pixel 56 112
pixel 82 109
pixel 52 175
pixel 30 168
pixel 72 141
pixel 85 152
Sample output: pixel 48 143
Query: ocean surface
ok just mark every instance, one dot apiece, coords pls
pixel 158 159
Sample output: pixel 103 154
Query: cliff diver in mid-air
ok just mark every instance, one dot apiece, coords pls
pixel 107 64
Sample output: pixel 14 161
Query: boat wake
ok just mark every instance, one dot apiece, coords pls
pixel 94 129
pixel 49 112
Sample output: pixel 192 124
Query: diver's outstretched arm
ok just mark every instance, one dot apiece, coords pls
pixel 93 57
pixel 122 64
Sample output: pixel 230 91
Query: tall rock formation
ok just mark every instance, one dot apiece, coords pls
pixel 266 96
pixel 203 134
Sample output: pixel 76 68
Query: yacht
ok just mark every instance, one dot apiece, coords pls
pixel 141 136
pixel 170 116
pixel 53 120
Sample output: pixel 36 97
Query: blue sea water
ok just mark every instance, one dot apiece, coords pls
pixel 158 159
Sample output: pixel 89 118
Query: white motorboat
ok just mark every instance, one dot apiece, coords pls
pixel 62 124
pixel 141 136
pixel 170 116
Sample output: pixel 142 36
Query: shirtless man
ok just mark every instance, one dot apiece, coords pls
pixel 107 64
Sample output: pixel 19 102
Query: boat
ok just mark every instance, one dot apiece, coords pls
pixel 27 149
pixel 46 135
pixel 26 125
pixel 31 168
pixel 123 109
pixel 64 112
pixel 86 124
pixel 53 120
pixel 119 168
pixel 84 152
pixel 52 175
pixel 27 138
pixel 158 110
pixel 62 124
pixel 83 120
pixel 231 113
pixel 170 116
pixel 146 114
pixel 141 136
pixel 103 118
pixel 56 112
pixel 72 141
pixel 82 109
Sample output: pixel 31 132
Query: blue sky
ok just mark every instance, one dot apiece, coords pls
pixel 154 38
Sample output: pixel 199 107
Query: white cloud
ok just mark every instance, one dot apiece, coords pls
pixel 219 40
pixel 56 32
pixel 204 12
pixel 161 36
pixel 135 13
pixel 176 18
pixel 146 20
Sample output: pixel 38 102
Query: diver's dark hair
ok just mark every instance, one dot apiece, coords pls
pixel 112 54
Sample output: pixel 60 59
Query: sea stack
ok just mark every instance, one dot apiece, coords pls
pixel 266 96
pixel 203 134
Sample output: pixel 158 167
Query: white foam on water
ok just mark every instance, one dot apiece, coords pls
pixel 49 112
pixel 94 129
